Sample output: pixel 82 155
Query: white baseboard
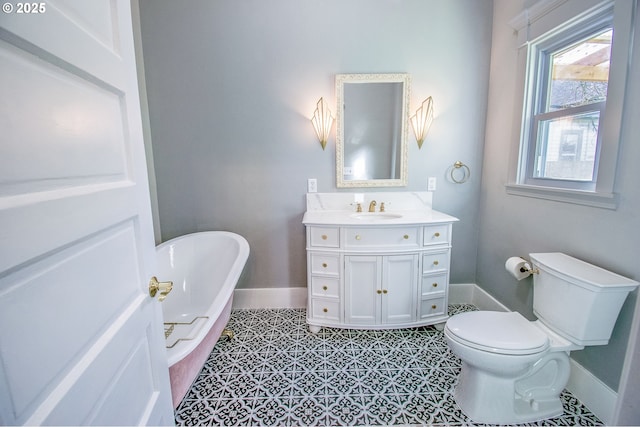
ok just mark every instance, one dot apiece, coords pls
pixel 592 392
pixel 270 298
pixel 459 293
pixel 470 293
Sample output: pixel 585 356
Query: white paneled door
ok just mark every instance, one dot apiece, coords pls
pixel 81 340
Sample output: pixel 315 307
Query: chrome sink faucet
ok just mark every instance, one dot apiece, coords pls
pixel 372 206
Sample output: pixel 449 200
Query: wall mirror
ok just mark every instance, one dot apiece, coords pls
pixel 371 134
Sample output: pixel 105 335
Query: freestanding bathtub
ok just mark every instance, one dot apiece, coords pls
pixel 204 268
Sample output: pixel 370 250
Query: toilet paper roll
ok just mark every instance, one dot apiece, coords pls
pixel 518 267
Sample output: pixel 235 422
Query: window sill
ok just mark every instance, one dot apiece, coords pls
pixel 587 198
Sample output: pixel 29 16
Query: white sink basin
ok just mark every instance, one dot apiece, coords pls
pixel 376 216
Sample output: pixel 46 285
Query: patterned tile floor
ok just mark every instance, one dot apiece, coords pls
pixel 274 372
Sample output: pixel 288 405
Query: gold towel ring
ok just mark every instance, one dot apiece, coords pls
pixel 466 172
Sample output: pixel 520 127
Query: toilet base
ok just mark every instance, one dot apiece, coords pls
pixel 493 400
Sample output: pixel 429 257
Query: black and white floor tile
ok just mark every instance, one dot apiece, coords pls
pixel 275 372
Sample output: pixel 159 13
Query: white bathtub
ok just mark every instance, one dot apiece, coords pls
pixel 204 268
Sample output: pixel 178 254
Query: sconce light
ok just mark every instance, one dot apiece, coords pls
pixel 421 121
pixel 322 121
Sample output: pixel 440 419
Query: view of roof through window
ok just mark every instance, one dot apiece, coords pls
pixel 580 73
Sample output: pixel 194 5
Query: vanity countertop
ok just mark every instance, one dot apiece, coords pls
pixel 402 208
pixel 390 217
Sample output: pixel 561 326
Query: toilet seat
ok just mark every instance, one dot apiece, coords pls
pixel 506 333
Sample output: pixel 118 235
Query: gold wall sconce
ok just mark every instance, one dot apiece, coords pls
pixel 322 121
pixel 421 120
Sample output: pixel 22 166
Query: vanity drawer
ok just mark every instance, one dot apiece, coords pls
pixel 325 286
pixel 322 263
pixel 433 284
pixel 435 261
pixel 323 308
pixel 432 307
pixel 324 237
pixel 382 238
pixel 436 234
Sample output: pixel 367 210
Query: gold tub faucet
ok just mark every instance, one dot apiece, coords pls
pixel 372 206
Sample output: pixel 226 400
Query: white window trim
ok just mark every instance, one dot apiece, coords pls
pixel 534 23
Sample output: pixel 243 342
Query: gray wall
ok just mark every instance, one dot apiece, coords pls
pixel 231 88
pixel 232 84
pixel 514 225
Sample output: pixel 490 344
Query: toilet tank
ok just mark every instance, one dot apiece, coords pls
pixel 576 299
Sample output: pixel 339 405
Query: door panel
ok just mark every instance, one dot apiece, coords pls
pixel 107 369
pixel 362 281
pixel 400 274
pixel 36 300
pixel 86 344
pixel 70 111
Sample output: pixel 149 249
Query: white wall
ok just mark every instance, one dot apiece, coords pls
pixel 515 225
pixel 231 88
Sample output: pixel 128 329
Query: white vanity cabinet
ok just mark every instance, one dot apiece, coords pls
pixel 380 290
pixel 378 275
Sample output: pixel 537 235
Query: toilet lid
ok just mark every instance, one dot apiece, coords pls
pixel 497 332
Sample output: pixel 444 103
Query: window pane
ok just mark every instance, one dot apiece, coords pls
pixel 566 147
pixel 580 73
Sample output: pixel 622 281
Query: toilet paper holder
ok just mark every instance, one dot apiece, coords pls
pixel 531 270
pixel 519 267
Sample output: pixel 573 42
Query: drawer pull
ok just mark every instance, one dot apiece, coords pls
pixel 434 306
pixel 435 285
pixel 406 237
pixel 435 262
pixel 326 309
pixel 324 264
pixel 324 237
pixel 437 234
pixel 324 288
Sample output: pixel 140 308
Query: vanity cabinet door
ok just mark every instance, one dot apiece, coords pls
pixel 362 283
pixel 381 289
pixel 399 288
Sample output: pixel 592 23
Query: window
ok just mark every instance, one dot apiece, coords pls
pixel 571 101
pixel 571 77
pixel 574 83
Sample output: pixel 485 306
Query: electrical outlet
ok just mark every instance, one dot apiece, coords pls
pixel 431 183
pixel 312 185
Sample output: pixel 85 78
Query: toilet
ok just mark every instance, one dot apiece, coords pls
pixel 513 369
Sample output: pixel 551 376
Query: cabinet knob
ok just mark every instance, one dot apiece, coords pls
pixel 378 291
pixel 324 288
pixel 435 262
pixel 326 309
pixel 384 291
pixel 324 264
pixel 357 237
pixel 324 237
pixel 437 234
pixel 435 285
pixel 406 237
pixel 434 306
